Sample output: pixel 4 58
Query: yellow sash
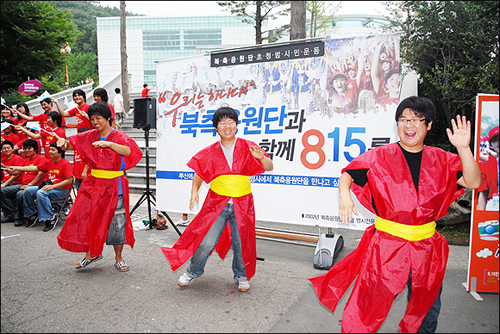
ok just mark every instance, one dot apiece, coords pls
pixel 408 232
pixel 231 185
pixel 106 174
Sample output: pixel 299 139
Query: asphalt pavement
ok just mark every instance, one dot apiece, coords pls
pixel 43 292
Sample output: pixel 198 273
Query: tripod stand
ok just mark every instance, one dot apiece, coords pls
pixel 148 194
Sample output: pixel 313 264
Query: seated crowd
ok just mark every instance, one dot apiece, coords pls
pixel 31 178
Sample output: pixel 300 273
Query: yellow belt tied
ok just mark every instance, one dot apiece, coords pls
pixel 408 232
pixel 231 185
pixel 105 174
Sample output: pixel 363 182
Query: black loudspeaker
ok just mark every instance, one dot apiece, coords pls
pixel 145 113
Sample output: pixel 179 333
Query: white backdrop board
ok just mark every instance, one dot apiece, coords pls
pixel 287 103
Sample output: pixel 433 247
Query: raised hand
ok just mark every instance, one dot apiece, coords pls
pixel 460 136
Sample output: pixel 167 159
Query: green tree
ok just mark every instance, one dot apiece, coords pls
pixel 453 46
pixel 32 33
pixel 322 14
pixel 256 12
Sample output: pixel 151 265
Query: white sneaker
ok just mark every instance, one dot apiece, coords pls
pixel 244 286
pixel 184 280
pixel 182 222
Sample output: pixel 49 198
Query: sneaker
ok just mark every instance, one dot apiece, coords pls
pixel 7 219
pixel 243 286
pixel 32 221
pixel 182 222
pixel 50 224
pixel 20 222
pixel 184 280
pixel 66 210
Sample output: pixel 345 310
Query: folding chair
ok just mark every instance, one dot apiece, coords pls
pixel 58 205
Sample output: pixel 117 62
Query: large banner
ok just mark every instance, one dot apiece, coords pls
pixel 484 241
pixel 313 106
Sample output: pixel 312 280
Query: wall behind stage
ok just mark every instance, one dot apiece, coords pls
pixel 312 115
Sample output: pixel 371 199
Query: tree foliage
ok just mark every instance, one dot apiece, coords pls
pixel 32 33
pixel 322 14
pixel 453 46
pixel 256 12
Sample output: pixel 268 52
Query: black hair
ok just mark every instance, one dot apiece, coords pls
pixel 48 100
pixel 145 85
pixel 83 130
pixel 100 109
pixel 421 106
pixel 31 143
pixel 7 142
pixel 117 90
pixel 26 108
pixel 102 93
pixel 60 150
pixel 222 113
pixel 81 93
pixel 56 117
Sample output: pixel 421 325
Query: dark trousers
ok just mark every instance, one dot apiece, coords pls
pixel 430 322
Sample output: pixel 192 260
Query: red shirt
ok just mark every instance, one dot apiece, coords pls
pixel 145 92
pixel 57 171
pixel 81 121
pixel 13 138
pixel 27 177
pixel 78 166
pixel 14 160
pixel 20 133
pixel 48 139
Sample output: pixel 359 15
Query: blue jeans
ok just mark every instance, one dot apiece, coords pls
pixel 430 322
pixel 43 201
pixel 116 230
pixel 199 258
pixel 12 201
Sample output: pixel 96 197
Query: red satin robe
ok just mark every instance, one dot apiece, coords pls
pixel 382 262
pixel 210 163
pixel 86 226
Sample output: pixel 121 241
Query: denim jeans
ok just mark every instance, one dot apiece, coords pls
pixel 199 258
pixel 12 201
pixel 116 230
pixel 430 322
pixel 43 201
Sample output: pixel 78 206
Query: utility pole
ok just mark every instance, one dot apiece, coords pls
pixel 123 48
pixel 298 20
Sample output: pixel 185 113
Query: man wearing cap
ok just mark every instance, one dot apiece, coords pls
pixel 340 100
pixel 488 190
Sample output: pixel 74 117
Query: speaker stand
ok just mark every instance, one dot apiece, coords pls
pixel 148 194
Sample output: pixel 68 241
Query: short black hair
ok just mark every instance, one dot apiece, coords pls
pixel 47 100
pixel 26 108
pixel 83 130
pixel 421 106
pixel 60 150
pixel 81 93
pixel 31 143
pixel 145 85
pixel 102 93
pixel 7 142
pixel 101 109
pixel 56 117
pixel 222 113
pixel 117 90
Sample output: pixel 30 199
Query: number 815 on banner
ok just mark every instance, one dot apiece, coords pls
pixel 335 135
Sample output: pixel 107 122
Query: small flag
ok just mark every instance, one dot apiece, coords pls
pixel 70 104
pixel 33 125
pixel 44 95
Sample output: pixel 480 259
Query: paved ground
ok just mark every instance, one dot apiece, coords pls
pixel 42 292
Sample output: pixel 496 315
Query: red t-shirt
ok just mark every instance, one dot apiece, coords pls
pixel 57 171
pixel 145 92
pixel 27 177
pixel 13 138
pixel 20 133
pixel 48 139
pixel 81 121
pixel 78 166
pixel 112 110
pixel 14 160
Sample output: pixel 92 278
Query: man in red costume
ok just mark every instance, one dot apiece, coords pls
pixel 101 210
pixel 408 186
pixel 227 165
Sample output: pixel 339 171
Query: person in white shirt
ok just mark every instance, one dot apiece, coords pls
pixel 118 101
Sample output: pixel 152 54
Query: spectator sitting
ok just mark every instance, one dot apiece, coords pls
pixel 12 196
pixel 60 172
pixel 9 134
pixel 9 159
pixel 54 120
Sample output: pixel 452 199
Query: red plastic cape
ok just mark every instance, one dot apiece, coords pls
pixel 86 226
pixel 210 163
pixel 382 262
